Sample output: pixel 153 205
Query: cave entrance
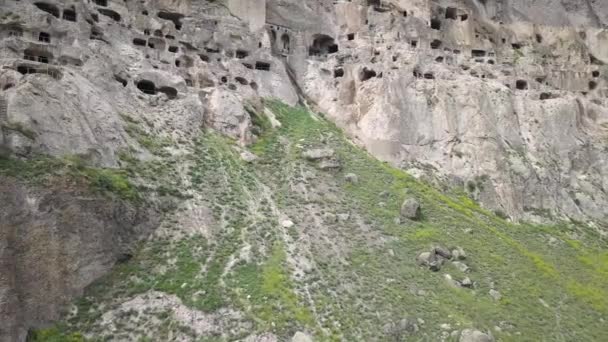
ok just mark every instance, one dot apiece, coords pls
pixel 48 8
pixel 147 87
pixel 322 45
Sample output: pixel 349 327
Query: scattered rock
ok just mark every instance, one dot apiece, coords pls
pixel 408 325
pixel 318 154
pixel 432 259
pixel 466 282
pixel 461 266
pixel 248 156
pixel 435 263
pixel 495 295
pixel 444 252
pixel 330 218
pixel 343 217
pixel 267 337
pixel 470 335
pixel 410 209
pixel 405 326
pixel 448 278
pixel 458 253
pixel 301 337
pixel 543 303
pixel 330 164
pixel 423 259
pixel 351 178
pixel 287 223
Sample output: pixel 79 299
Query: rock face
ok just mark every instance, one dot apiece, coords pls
pixel 492 96
pixel 53 243
pixel 506 99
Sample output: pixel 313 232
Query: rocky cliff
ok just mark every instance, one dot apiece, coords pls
pixel 501 104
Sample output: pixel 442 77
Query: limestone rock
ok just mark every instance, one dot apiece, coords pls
pixel 443 252
pixel 301 337
pixel 410 209
pixel 343 217
pixel 318 154
pixel 458 253
pixel 423 259
pixel 267 337
pixel 450 280
pixel 466 282
pixel 470 335
pixel 351 178
pixel 287 223
pixel 495 295
pixel 79 235
pixel 248 156
pixel 461 266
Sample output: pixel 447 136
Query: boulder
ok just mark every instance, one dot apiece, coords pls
pixel 458 253
pixel 410 209
pixel 318 154
pixel 466 282
pixel 431 259
pixel 435 262
pixel 408 325
pixel 461 266
pixel 471 335
pixel 423 259
pixel 351 178
pixel 443 252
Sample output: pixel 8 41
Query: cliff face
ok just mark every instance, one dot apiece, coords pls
pixel 507 99
pixel 54 241
pixel 504 100
pixel 489 94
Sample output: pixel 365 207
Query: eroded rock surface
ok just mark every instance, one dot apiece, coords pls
pixel 53 243
pixel 504 99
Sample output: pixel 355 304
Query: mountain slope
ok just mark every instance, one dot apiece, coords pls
pixel 308 239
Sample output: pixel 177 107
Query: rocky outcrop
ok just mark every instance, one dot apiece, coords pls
pixel 494 97
pixel 54 242
pixel 489 96
pixel 504 99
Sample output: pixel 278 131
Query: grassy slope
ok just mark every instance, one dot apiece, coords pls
pixel 364 274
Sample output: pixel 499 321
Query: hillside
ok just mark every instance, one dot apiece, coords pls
pixel 317 246
pixel 303 170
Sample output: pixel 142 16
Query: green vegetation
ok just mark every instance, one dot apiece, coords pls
pixel 515 259
pixel 156 144
pixel 44 170
pixel 347 266
pixel 55 335
pixel 19 127
pixel 269 289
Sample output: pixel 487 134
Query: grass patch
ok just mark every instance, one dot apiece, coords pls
pixel 42 170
